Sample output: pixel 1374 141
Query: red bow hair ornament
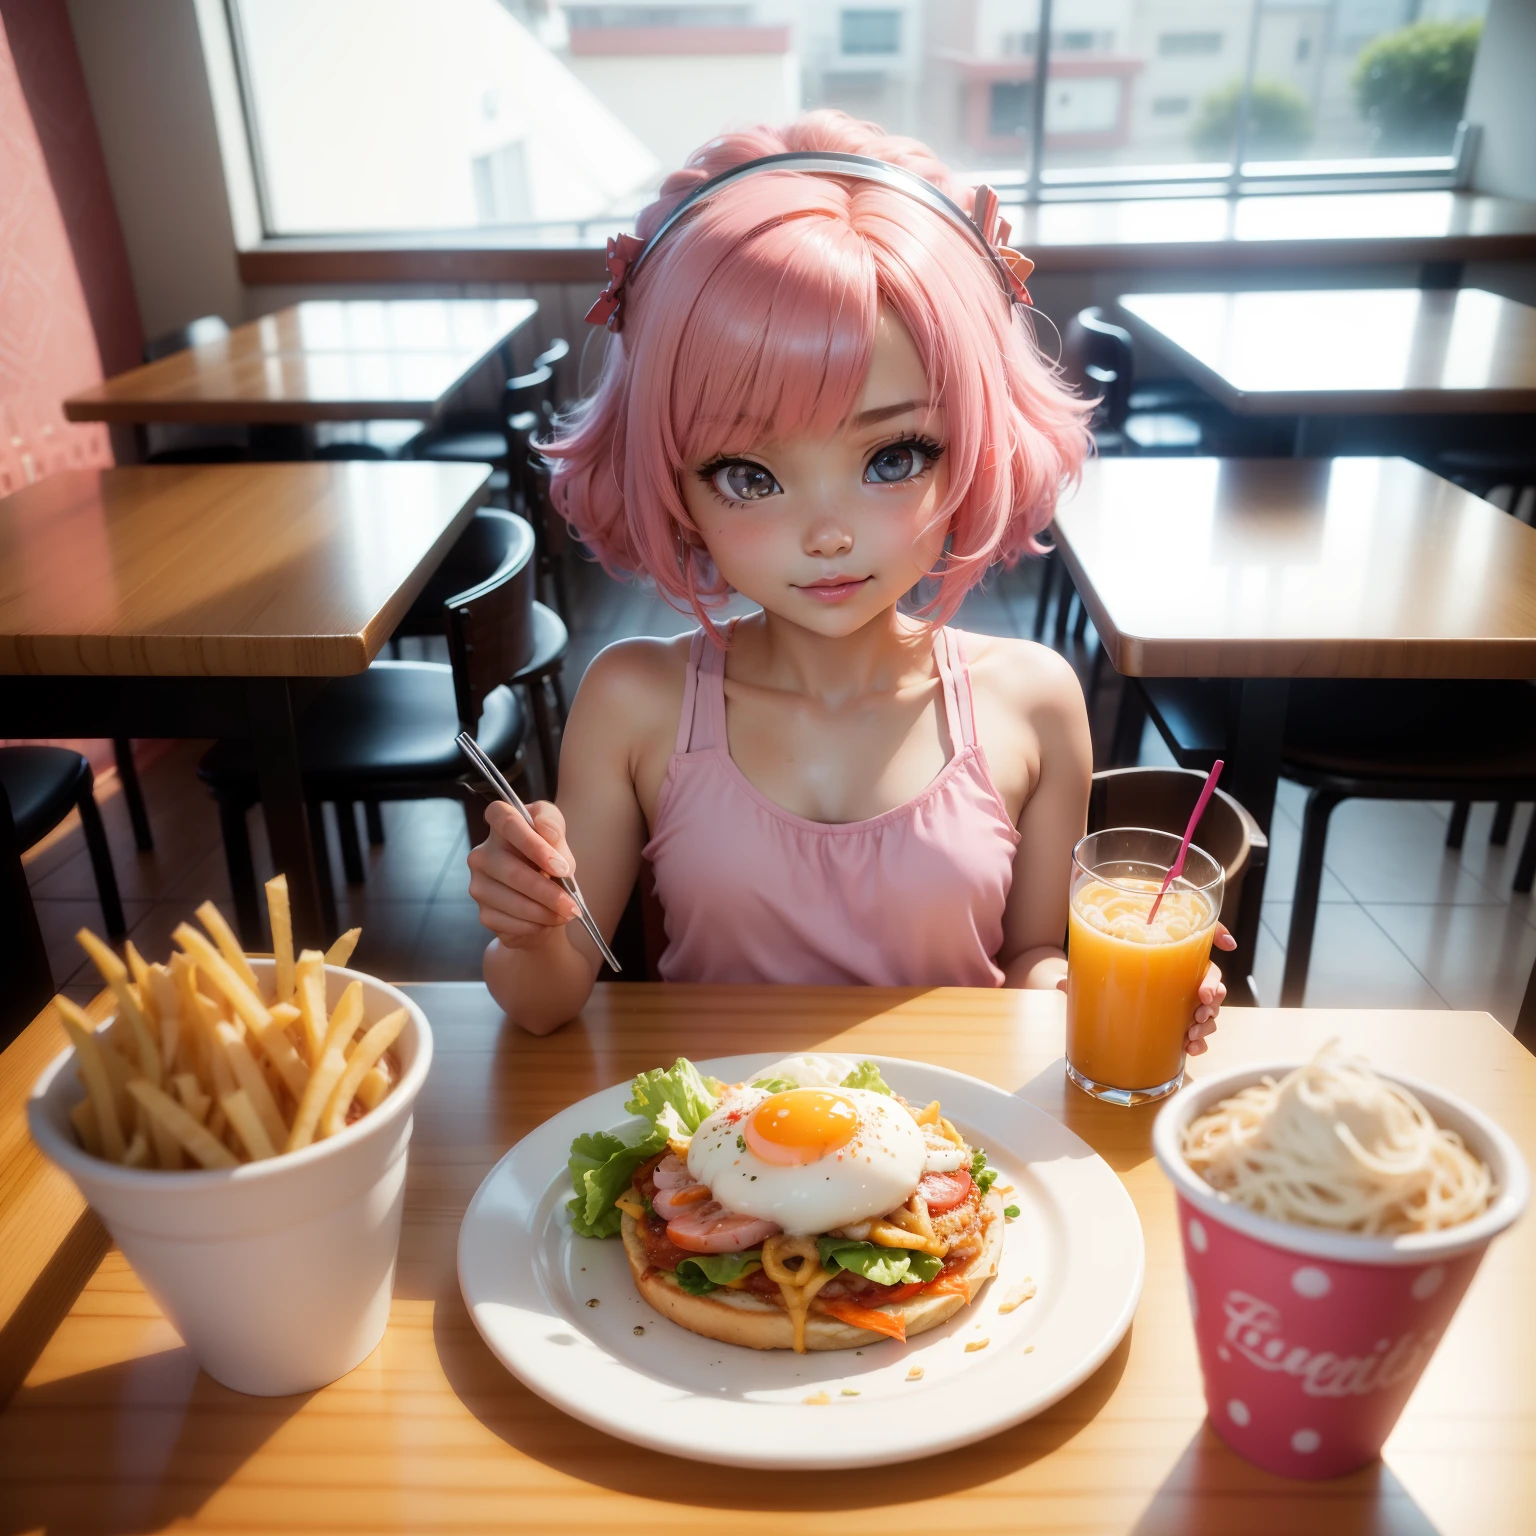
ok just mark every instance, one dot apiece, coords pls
pixel 609 307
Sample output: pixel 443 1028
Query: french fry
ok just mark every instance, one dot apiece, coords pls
pixel 136 966
pixel 310 991
pixel 243 1116
pixel 120 1073
pixel 115 974
pixel 327 1072
pixel 372 1046
pixel 341 951
pixel 248 1078
pixel 218 1123
pixel 229 946
pixel 189 1043
pixel 281 916
pixel 200 1142
pixel 192 1097
pixel 166 1148
pixel 373 1087
pixel 83 1118
pixel 93 1073
pixel 168 1008
pixel 137 1155
pixel 242 998
pixel 280 1050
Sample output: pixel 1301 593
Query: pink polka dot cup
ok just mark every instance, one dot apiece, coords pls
pixel 1312 1341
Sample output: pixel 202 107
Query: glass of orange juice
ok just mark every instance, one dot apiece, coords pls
pixel 1133 987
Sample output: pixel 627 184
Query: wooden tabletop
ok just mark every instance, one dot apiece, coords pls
pixel 239 570
pixel 1360 350
pixel 331 360
pixel 112 1426
pixel 1298 568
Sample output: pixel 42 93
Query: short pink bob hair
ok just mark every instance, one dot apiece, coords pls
pixel 755 319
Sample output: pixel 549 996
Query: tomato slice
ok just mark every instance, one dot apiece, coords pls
pixel 710 1228
pixel 944 1191
pixel 846 1310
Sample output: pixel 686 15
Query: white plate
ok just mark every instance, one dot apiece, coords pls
pixel 562 1314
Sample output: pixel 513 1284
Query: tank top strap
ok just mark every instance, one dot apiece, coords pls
pixel 959 711
pixel 701 725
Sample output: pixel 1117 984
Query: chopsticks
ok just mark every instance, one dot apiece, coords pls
pixel 493 776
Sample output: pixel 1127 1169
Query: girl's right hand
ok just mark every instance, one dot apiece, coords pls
pixel 510 875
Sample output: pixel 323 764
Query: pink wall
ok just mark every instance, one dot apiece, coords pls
pixel 67 308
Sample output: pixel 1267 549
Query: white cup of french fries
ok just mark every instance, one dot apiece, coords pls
pixel 240 1126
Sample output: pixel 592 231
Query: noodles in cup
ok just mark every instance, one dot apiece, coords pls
pixel 1334 1145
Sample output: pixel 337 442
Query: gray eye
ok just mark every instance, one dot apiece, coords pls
pixel 745 482
pixel 901 461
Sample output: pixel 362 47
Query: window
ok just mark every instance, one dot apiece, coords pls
pixel 373 117
pixel 871 31
pixel 1011 113
pixel 1185 45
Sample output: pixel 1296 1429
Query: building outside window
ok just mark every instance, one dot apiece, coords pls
pixel 871 31
pixel 381 116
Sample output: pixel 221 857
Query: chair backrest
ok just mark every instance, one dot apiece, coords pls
pixel 490 622
pixel 1162 798
pixel 196 333
pixel 551 357
pixel 1096 358
pixel 526 392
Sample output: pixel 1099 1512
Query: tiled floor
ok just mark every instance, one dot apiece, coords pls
pixel 1404 921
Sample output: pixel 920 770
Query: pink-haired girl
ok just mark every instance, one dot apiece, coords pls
pixel 822 394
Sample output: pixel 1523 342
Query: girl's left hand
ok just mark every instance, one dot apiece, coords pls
pixel 1212 995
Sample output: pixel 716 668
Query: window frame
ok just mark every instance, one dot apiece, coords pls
pixel 1033 182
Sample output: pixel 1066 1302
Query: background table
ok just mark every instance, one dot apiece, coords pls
pixel 1261 570
pixel 113 1427
pixel 1318 354
pixel 327 360
pixel 213 600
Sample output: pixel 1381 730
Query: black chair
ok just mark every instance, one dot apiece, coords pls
pixel 1098 357
pixel 481 438
pixel 133 794
pixel 178 443
pixel 1163 798
pixel 388 733
pixel 480 550
pixel 44 784
pixel 1393 740
pixel 1525 1021
pixel 551 357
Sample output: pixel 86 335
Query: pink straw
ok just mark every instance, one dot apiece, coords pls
pixel 1189 831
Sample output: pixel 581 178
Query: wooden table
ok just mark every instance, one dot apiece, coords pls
pixel 112 1426
pixel 213 600
pixel 327 360
pixel 1262 570
pixel 1319 354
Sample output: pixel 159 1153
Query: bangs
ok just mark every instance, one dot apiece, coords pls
pixel 777 330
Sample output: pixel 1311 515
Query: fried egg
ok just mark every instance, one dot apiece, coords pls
pixel 809 1158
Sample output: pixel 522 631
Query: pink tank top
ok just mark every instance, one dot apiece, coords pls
pixel 753 893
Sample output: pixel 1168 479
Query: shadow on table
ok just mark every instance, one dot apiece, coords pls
pixel 530 1425
pixel 1212 1491
pixel 149 1442
pixel 1121 1136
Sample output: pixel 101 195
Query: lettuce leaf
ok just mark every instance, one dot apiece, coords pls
pixel 866 1075
pixel 682 1088
pixel 706 1272
pixel 602 1166
pixel 984 1176
pixel 775 1084
pixel 885 1266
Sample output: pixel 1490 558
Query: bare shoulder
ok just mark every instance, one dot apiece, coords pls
pixel 638 671
pixel 631 695
pixel 1024 678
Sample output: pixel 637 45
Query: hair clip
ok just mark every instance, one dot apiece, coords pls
pixel 995 230
pixel 609 308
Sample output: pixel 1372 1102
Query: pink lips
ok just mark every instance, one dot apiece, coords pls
pixel 834 589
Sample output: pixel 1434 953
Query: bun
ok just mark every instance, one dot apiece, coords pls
pixel 740 1317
